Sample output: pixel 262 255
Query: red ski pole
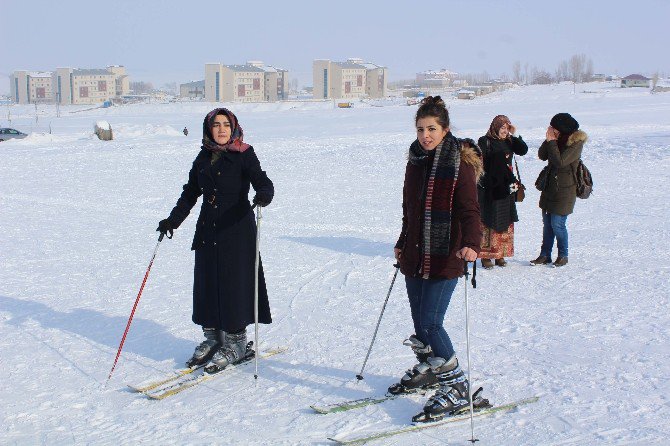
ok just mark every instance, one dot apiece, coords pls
pixel 132 313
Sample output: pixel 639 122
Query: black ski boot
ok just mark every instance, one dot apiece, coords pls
pixel 214 339
pixel 420 376
pixel 453 395
pixel 234 351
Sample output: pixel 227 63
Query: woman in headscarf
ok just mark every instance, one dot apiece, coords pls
pixel 224 241
pixel 497 191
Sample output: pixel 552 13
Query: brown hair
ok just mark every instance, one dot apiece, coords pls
pixel 433 106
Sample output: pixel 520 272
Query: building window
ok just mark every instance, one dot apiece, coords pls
pixel 102 85
pixel 257 84
pixel 359 81
pixel 347 87
pixel 83 92
pixel 240 90
pixel 40 93
pixel 325 83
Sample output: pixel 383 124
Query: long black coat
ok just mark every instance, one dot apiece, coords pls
pixel 498 213
pixel 225 239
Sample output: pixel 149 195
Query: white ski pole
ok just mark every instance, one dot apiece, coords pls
pixel 467 348
pixel 258 256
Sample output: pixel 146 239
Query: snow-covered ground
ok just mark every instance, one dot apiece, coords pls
pixel 77 229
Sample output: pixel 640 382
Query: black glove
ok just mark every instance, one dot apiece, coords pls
pixel 165 227
pixel 262 199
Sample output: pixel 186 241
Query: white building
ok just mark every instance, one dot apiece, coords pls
pixel 69 85
pixel 251 82
pixel 348 80
pixel 30 87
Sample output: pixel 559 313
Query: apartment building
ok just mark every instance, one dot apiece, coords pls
pixel 348 80
pixel 275 82
pixel 84 86
pixel 375 80
pixel 69 85
pixel 121 79
pixel 30 87
pixel 251 82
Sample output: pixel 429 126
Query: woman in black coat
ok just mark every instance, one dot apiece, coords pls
pixel 225 240
pixel 497 197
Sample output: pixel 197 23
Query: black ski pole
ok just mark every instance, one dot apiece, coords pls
pixel 467 344
pixel 374 336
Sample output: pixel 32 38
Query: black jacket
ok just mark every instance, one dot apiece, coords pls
pixel 498 206
pixel 225 238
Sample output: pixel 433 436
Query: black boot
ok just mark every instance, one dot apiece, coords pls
pixel 235 350
pixel 203 353
pixel 420 376
pixel 453 394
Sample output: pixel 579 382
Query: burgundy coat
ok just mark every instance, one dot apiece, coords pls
pixel 466 227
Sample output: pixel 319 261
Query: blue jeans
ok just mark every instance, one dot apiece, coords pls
pixel 554 227
pixel 429 300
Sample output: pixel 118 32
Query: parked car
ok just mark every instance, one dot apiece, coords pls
pixel 6 133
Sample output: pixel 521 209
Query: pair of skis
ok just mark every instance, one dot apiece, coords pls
pixel 183 379
pixel 363 402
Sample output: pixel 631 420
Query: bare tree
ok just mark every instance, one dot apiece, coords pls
pixel 589 69
pixel 516 70
pixel 581 68
pixel 654 81
pixel 525 69
pixel 140 87
pixel 576 68
pixel 562 72
pixel 541 77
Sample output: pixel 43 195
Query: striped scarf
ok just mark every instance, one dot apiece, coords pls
pixel 439 202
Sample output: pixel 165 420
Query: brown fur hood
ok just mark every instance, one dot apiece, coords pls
pixel 576 137
pixel 471 157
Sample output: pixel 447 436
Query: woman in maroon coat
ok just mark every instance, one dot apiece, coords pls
pixel 441 228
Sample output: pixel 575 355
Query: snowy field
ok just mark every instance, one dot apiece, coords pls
pixel 77 230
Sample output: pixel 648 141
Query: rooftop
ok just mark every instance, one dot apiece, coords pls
pixel 636 77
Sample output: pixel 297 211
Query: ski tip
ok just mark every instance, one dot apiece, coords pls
pixel 421 417
pixel 319 410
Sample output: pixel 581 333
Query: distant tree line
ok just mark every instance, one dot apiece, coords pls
pixel 578 68
pixel 140 87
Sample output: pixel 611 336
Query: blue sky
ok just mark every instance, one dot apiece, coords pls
pixel 170 41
